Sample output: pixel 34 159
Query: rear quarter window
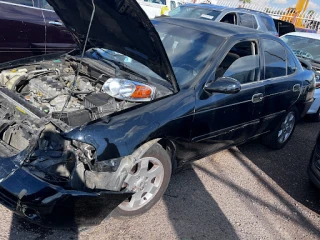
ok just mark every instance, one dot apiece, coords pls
pixel 269 23
pixel 275 58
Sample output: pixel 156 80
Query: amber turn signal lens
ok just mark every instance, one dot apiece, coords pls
pixel 141 92
pixel 129 90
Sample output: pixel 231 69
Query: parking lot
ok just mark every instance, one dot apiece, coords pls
pixel 249 192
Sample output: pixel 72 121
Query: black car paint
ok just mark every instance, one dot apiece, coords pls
pixel 191 123
pixel 26 31
pixel 192 108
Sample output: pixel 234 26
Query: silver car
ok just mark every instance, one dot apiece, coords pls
pixel 307 46
pixel 238 16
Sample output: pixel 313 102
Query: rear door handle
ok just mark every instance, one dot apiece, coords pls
pixel 296 88
pixel 56 23
pixel 257 98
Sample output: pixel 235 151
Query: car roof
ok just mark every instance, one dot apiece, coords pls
pixel 253 11
pixel 306 35
pixel 225 30
pixel 206 5
pixel 221 8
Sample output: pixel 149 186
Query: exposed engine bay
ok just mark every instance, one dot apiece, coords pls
pixel 41 101
pixel 46 86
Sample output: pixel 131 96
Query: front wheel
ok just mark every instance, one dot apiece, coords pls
pixel 280 136
pixel 149 179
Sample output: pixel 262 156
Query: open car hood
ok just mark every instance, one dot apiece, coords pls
pixel 118 25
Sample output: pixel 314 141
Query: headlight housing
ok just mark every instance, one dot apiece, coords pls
pixel 125 89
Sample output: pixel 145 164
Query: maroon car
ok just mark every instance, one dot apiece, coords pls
pixel 31 27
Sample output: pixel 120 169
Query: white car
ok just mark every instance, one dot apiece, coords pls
pixel 307 45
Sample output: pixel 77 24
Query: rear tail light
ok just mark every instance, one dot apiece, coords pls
pixel 317 85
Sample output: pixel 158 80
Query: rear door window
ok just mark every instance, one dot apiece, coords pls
pixel 229 18
pixel 275 58
pixel 247 20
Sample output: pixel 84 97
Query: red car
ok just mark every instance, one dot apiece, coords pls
pixel 31 27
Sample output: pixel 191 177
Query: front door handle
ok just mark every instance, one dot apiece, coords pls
pixel 257 98
pixel 56 23
pixel 296 88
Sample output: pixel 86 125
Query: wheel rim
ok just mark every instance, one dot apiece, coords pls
pixel 145 179
pixel 286 127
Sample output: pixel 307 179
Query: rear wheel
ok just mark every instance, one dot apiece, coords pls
pixel 149 179
pixel 280 136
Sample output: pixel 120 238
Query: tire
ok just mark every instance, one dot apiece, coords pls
pixel 275 139
pixel 159 159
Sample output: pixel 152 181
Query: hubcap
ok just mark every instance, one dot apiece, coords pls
pixel 145 179
pixel 286 127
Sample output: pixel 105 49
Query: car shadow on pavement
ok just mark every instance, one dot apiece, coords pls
pixel 22 229
pixel 288 166
pixel 193 212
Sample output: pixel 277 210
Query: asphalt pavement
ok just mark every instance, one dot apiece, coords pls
pixel 248 192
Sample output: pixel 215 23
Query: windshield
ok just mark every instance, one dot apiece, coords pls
pixel 192 12
pixel 303 46
pixel 188 50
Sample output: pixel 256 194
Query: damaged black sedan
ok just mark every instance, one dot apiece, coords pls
pixel 100 130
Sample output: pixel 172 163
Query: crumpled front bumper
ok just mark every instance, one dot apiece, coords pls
pixel 50 205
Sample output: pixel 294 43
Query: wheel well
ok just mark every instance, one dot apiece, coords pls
pixel 298 108
pixel 170 148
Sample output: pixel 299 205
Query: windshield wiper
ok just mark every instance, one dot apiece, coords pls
pixel 123 65
pixel 119 63
pixel 110 63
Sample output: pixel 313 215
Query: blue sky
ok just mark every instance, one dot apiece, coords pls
pixel 314 4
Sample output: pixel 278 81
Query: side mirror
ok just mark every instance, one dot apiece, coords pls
pixel 223 85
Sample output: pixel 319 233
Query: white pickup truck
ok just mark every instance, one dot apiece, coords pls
pixel 156 8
